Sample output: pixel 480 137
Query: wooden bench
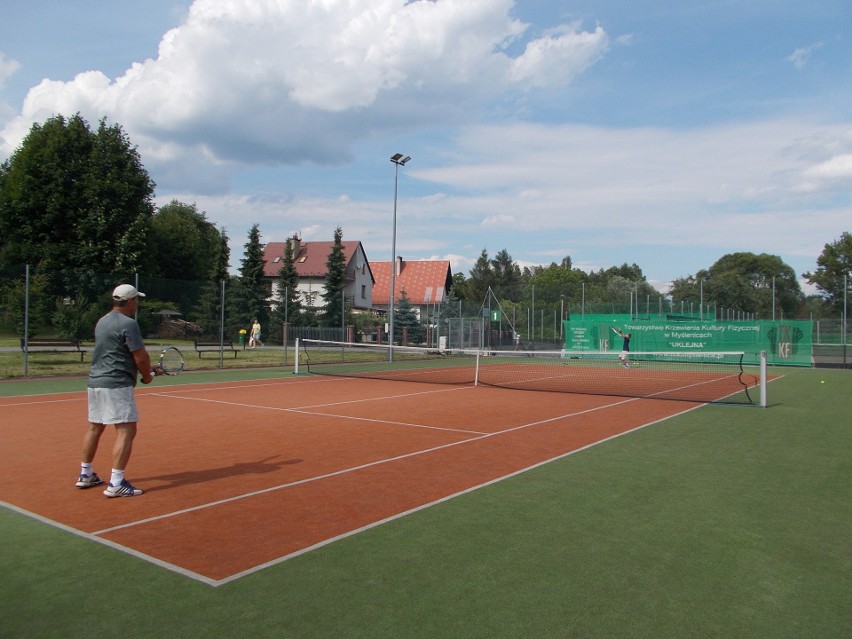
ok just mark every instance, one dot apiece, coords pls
pixel 205 346
pixel 44 345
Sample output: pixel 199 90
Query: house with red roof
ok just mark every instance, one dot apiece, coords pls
pixel 426 283
pixel 311 265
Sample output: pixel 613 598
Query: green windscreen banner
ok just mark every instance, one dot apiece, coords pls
pixel 786 342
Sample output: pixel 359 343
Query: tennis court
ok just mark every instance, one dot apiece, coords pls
pixel 243 475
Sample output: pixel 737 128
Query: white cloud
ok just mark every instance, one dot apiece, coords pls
pixel 8 67
pixel 605 196
pixel 838 167
pixel 559 57
pixel 285 81
pixel 801 56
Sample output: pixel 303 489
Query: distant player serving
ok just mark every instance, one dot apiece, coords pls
pixel 625 348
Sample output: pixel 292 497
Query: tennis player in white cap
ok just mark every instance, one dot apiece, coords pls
pixel 118 360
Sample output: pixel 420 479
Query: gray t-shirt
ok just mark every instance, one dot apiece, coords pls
pixel 116 337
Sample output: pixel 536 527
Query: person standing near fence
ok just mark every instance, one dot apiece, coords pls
pixel 254 338
pixel 118 358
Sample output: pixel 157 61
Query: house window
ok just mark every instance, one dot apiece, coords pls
pixel 276 260
pixel 363 291
pixel 302 259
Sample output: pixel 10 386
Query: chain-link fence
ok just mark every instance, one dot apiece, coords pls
pixel 38 304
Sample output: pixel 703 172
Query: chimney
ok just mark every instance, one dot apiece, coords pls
pixel 295 244
pixel 399 264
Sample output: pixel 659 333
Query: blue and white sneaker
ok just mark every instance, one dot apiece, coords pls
pixel 87 481
pixel 124 489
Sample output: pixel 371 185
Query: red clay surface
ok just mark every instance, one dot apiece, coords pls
pixel 245 474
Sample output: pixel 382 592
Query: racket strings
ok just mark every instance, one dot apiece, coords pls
pixel 171 361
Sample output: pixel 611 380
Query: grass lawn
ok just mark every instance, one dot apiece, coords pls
pixel 69 365
pixel 722 522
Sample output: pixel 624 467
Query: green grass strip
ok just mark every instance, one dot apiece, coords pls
pixel 722 522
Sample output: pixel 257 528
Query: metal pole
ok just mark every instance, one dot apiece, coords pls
pixel 286 322
pixel 532 316
pixel 398 160
pixel 773 298
pixel 26 320
pixel 391 299
pixel 222 325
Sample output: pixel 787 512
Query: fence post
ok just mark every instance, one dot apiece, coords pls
pixel 222 325
pixel 26 320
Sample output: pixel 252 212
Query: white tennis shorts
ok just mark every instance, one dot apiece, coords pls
pixel 112 405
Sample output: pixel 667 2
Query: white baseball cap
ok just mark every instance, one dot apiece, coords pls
pixel 125 292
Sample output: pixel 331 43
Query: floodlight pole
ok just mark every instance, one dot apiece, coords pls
pixel 399 160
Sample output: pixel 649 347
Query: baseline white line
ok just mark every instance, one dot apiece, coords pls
pixel 186 388
pixel 42 402
pixel 111 544
pixel 237 385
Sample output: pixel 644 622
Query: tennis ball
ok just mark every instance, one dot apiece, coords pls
pixel 822 381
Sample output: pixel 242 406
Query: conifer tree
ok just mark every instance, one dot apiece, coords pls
pixel 335 282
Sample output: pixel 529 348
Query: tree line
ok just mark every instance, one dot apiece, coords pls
pixel 78 199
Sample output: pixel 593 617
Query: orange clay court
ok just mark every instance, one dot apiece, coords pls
pixel 242 475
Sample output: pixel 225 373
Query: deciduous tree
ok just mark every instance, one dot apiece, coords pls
pixel 75 198
pixel 833 264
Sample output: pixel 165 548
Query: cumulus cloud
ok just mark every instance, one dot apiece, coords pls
pixel 287 81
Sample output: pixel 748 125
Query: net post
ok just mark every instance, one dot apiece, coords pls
pixel 476 370
pixel 296 355
pixel 763 379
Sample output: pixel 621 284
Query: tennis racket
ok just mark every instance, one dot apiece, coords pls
pixel 614 330
pixel 171 361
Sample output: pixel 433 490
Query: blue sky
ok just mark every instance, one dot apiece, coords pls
pixel 665 134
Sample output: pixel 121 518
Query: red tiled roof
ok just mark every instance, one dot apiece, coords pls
pixel 310 260
pixel 424 282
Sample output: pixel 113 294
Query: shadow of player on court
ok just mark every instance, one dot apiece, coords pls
pixel 183 478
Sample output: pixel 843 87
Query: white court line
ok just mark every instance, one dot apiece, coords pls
pixel 239 385
pixel 218 582
pixel 303 410
pixel 353 469
pixel 471 489
pixel 144 391
pixel 81 398
pixel 112 544
pixel 96 536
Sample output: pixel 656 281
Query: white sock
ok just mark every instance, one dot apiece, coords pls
pixel 117 477
pixel 85 469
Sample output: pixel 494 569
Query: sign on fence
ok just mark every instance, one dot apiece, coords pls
pixel 785 341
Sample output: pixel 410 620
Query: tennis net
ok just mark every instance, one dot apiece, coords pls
pixel 717 377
